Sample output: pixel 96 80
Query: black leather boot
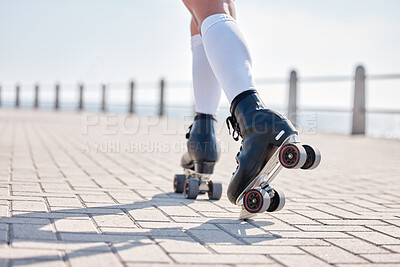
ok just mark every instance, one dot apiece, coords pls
pixel 203 148
pixel 263 131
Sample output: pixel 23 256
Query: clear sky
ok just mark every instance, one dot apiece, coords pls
pixel 116 40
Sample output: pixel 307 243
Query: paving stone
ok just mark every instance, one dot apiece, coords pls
pixel 383 258
pixel 309 234
pixel 183 226
pixel 64 202
pixel 3 236
pixel 389 230
pixel 54 187
pixel 279 241
pixel 60 245
pixel 28 205
pixel 367 265
pixel 395 222
pixel 182 211
pixel 299 260
pixel 91 211
pixel 393 248
pixel 333 228
pixel 220 259
pixel 298 219
pixel 31 254
pixel 244 229
pixel 377 238
pixel 92 258
pixel 78 226
pixel 357 246
pixel 149 214
pixel 112 220
pixel 140 252
pixel 103 198
pixel 334 255
pixel 256 249
pixel 182 245
pixel 181 219
pixel 89 237
pixel 38 263
pixel 24 215
pixel 32 232
pixel 317 215
pixel 169 232
pixel 3 211
pixel 353 222
pixel 25 187
pixel 213 237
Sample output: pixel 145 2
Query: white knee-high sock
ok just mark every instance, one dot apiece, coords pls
pixel 207 91
pixel 228 54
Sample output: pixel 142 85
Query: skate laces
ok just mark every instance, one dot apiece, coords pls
pixel 235 127
pixel 188 131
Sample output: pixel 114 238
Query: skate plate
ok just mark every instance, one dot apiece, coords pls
pixel 195 183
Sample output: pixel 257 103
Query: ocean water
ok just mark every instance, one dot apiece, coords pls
pixel 377 125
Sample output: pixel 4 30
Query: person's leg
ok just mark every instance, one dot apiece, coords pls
pixel 263 130
pixel 202 145
pixel 207 91
pixel 224 44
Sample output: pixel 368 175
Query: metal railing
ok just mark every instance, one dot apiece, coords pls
pixel 358 110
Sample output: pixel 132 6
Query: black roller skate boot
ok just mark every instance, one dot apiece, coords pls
pixel 199 160
pixel 269 142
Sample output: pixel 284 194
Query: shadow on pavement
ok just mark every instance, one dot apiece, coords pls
pixel 131 236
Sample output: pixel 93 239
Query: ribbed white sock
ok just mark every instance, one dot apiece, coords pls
pixel 207 91
pixel 228 54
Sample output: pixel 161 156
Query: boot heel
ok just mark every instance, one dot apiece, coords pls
pixel 204 167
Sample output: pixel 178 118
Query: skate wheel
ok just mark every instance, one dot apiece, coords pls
pixel 256 201
pixel 313 158
pixel 215 192
pixel 277 202
pixel 191 189
pixel 292 156
pixel 179 183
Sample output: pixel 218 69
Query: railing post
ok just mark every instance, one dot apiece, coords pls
pixel 17 92
pixel 131 100
pixel 292 108
pixel 57 99
pixel 36 97
pixel 162 87
pixel 103 99
pixel 80 106
pixel 359 110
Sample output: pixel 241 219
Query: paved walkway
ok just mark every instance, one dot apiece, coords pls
pixel 79 190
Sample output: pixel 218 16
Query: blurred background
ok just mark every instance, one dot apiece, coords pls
pixel 84 52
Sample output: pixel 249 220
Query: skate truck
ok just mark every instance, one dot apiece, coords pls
pixel 192 183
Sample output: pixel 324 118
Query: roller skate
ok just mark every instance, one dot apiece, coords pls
pixel 269 143
pixel 199 160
